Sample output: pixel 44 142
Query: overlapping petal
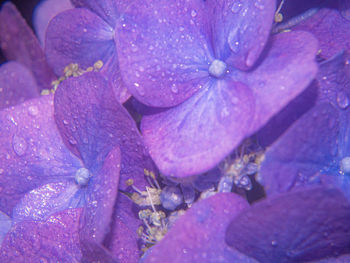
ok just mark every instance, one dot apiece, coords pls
pixel 16 84
pixel 92 123
pixel 56 239
pixel 78 36
pixel 331 30
pixel 32 152
pixel 164 50
pixel 240 29
pixel 106 9
pixel 315 143
pixel 300 226
pixel 194 136
pixel 100 199
pixel 284 73
pixel 199 235
pixel 19 43
pixel 44 12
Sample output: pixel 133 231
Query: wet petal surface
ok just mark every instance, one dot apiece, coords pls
pixel 193 237
pixel 300 226
pixel 32 152
pixel 164 51
pixel 193 137
pixel 56 239
pixel 95 123
pixel 78 36
pixel 16 84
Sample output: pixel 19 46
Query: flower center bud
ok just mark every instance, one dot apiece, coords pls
pixel 82 176
pixel 217 68
pixel 345 164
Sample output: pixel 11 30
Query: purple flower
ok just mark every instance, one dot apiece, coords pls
pixel 316 146
pixel 302 226
pixel 66 152
pixel 85 35
pixel 212 65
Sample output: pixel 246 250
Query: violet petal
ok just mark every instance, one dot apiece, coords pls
pixel 240 29
pixel 284 73
pixel 100 198
pixel 56 240
pixel 193 238
pixel 78 36
pixel 19 43
pixel 193 137
pixel 93 252
pixel 106 9
pixel 331 29
pixel 170 49
pixel 40 203
pixel 123 240
pixel 32 152
pixel 44 12
pixel 95 123
pixel 16 84
pixel 304 225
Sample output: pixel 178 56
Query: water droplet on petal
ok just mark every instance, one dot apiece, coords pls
pixel 181 28
pixel 139 89
pixel 236 7
pixel 342 100
pixel 234 41
pixel 274 243
pixel 258 4
pixel 174 88
pixel 224 112
pixel 345 164
pixel 193 13
pixel 33 110
pixel 19 145
pixel 82 176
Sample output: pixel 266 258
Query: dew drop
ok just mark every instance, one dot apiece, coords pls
pixel 236 7
pixel 33 110
pixel 19 145
pixel 181 28
pixel 224 112
pixel 234 41
pixel 139 89
pixel 258 4
pixel 174 88
pixel 72 141
pixel 274 243
pixel 193 13
pixel 342 100
pixel 345 164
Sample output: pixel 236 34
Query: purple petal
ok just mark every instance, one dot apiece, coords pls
pixel 5 225
pixel 40 203
pixel 112 73
pixel 92 252
pixel 106 9
pixel 164 50
pixel 317 141
pixel 240 29
pixel 16 84
pixel 95 123
pixel 55 240
pixel 19 43
pixel 285 72
pixel 331 29
pixel 101 195
pixel 32 152
pixel 123 239
pixel 199 235
pixel 300 226
pixel 78 36
pixel 194 136
pixel 44 12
